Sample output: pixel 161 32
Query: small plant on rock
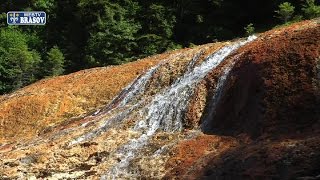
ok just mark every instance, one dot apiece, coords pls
pixel 249 29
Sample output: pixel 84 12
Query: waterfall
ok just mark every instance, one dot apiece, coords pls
pixel 167 109
pixel 132 90
pixel 125 96
pixel 129 95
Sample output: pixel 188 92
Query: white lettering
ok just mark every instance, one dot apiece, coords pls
pixel 32 20
pixel 23 19
pixel 42 19
pixel 35 20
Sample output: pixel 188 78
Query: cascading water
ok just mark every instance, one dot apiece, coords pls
pixel 167 109
pixel 129 95
pixel 193 61
pixel 131 91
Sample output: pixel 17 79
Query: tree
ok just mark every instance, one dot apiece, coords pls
pixel 158 24
pixel 311 10
pixel 113 31
pixel 18 64
pixel 54 63
pixel 285 11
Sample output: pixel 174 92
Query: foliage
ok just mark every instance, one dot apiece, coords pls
pixel 112 31
pixel 87 33
pixel 18 64
pixel 3 19
pixel 54 62
pixel 249 29
pixel 310 9
pixel 285 11
pixel 157 29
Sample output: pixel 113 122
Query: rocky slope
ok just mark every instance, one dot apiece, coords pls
pixel 246 109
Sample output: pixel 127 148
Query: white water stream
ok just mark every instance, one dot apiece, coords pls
pixel 167 109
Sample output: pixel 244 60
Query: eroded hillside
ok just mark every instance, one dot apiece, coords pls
pixel 241 109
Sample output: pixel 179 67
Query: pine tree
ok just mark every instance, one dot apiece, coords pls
pixel 285 11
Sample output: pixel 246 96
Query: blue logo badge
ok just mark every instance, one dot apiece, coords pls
pixel 26 18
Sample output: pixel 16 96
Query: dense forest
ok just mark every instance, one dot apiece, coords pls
pixel 81 34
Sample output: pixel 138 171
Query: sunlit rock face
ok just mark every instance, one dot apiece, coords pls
pixel 241 109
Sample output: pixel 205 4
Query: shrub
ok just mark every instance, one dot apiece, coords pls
pixel 249 29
